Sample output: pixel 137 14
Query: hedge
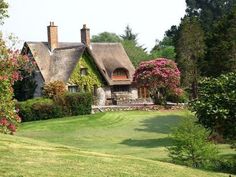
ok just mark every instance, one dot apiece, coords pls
pixel 69 104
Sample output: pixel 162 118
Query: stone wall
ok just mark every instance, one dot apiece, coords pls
pixel 113 108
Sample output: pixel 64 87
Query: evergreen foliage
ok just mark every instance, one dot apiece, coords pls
pixel 191 147
pixel 221 55
pixel 190 50
pixel 106 37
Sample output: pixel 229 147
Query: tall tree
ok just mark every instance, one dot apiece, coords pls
pixel 135 51
pixel 106 37
pixel 190 49
pixel 209 11
pixel 221 55
pixel 129 35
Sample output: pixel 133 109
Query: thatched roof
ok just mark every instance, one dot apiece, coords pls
pixel 109 57
pixel 60 63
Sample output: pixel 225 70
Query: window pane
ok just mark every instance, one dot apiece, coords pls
pixel 73 89
pixel 83 71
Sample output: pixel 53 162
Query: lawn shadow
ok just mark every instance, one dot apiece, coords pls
pixel 148 143
pixel 160 124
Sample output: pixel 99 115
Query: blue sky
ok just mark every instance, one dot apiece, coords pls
pixel 149 18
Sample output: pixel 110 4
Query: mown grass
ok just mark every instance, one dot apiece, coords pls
pixel 25 157
pixel 104 144
pixel 141 134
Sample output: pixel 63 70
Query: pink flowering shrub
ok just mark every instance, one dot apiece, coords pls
pixel 10 64
pixel 161 76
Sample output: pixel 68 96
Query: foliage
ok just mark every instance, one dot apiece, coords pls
pixel 164 49
pixel 225 165
pixel 221 53
pixel 180 98
pixel 190 49
pixel 164 52
pixel 10 63
pixel 190 145
pixel 129 35
pixel 161 76
pixel 89 80
pixel 215 107
pixel 209 11
pixel 106 37
pixel 136 53
pixel 3 10
pixel 39 109
pixel 172 34
pixel 53 89
pixel 63 105
pixel 78 103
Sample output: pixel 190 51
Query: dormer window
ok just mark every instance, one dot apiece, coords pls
pixel 120 74
pixel 84 71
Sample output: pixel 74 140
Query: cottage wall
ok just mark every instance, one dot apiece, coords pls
pixel 40 82
pixel 134 93
pixel 101 96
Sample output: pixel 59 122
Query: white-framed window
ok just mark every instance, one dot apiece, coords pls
pixel 73 88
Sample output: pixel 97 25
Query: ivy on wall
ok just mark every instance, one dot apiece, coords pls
pixel 90 79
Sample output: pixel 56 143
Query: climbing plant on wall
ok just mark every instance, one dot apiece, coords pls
pixel 90 79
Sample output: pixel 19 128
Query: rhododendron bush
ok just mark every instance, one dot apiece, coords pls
pixel 161 76
pixel 10 64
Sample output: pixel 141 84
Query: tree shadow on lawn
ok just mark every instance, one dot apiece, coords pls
pixel 148 143
pixel 160 124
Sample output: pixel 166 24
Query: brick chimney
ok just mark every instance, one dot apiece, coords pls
pixel 52 36
pixel 85 35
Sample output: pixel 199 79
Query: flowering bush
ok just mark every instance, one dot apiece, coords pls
pixel 161 76
pixel 10 63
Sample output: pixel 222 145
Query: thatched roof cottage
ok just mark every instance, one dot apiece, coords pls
pixel 103 68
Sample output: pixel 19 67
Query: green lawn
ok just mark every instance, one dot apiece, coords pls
pixel 105 144
pixel 140 134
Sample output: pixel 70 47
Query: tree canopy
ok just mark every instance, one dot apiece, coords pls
pixel 209 11
pixel 216 105
pixel 221 54
pixel 164 49
pixel 129 35
pixel 106 37
pixel 190 50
